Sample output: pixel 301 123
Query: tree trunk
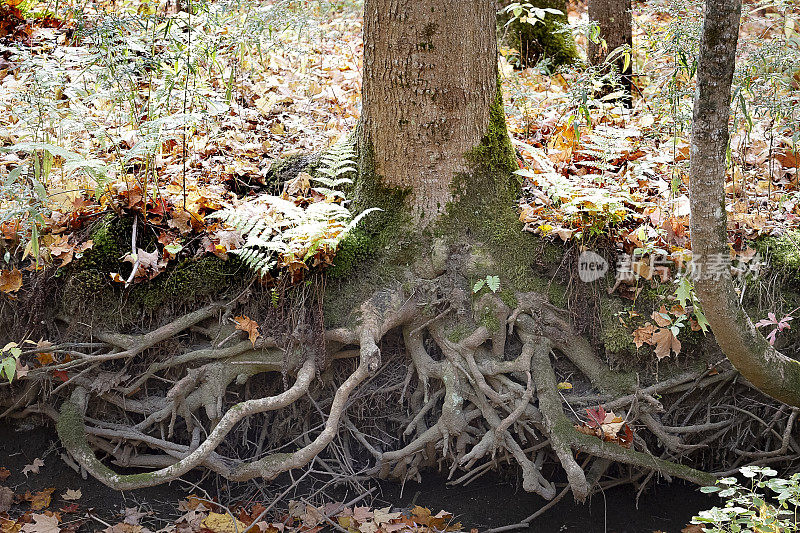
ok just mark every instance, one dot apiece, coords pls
pixel 430 78
pixel 766 368
pixel 614 18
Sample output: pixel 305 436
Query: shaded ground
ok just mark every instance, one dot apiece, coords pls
pixel 485 504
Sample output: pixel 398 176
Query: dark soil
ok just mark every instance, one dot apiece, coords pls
pixel 488 502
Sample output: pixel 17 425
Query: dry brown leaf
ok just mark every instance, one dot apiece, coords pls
pixel 661 318
pixel 249 326
pixel 40 500
pixel 72 495
pixel 665 343
pixel 122 527
pixel 33 467
pixel 10 281
pixel 42 523
pixel 644 335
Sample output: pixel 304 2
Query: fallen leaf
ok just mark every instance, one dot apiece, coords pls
pixel 42 523
pixel 40 500
pixel 33 467
pixel 665 343
pixel 643 335
pixel 122 527
pixel 222 523
pixel 133 515
pixel 4 473
pixel 249 326
pixel 10 280
pixel 72 495
pixel 71 508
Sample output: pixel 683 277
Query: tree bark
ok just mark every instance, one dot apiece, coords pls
pixel 614 18
pixel 430 78
pixel 772 372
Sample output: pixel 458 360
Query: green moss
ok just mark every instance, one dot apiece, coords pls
pixel 189 280
pixel 783 254
pixel 373 254
pixel 111 241
pixel 616 338
pixel 459 332
pixel 508 298
pixel 489 320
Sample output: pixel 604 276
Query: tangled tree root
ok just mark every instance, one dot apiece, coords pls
pixel 465 398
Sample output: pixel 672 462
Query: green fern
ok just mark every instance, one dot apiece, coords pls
pixel 274 229
pixel 337 164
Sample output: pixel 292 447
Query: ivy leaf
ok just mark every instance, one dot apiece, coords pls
pixel 8 368
pixel 684 292
pixel 701 319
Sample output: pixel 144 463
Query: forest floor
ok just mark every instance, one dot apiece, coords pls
pixel 172 119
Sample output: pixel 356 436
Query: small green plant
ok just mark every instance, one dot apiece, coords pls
pixel 9 357
pixel 337 163
pixel 686 295
pixel 490 282
pixel 768 504
pixel 527 13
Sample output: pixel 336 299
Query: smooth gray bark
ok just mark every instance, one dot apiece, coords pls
pixel 772 372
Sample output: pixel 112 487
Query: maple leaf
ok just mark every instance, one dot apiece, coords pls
pixel 611 425
pixel 362 514
pixel 230 239
pixel 133 515
pixel 40 500
pixel 384 516
pixel 71 495
pixel 122 527
pixel 596 416
pixel 10 281
pixel 33 467
pixel 181 221
pixel 661 317
pixel 665 343
pixel 42 523
pixel 248 325
pixel 643 335
pixel 45 358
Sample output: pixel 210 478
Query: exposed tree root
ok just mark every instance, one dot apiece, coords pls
pixel 458 390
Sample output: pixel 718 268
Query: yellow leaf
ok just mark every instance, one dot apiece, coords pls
pixel 222 523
